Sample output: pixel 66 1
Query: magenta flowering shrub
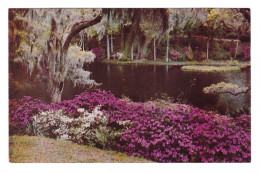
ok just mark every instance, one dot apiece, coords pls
pixel 88 100
pixel 182 135
pixel 179 133
pixel 98 52
pixel 22 110
pixel 174 54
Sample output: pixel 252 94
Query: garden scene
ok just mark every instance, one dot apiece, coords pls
pixel 127 85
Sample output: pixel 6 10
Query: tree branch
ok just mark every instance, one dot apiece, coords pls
pixel 74 29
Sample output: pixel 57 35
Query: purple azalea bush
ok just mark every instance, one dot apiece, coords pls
pixel 21 111
pixel 98 52
pixel 179 133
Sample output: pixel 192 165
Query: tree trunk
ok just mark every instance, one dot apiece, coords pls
pixel 108 51
pixel 143 49
pixel 132 52
pixel 112 46
pixel 75 28
pixel 208 49
pixel 167 49
pixel 133 30
pixel 56 70
pixel 55 91
pixel 57 48
pixel 236 49
pixel 154 50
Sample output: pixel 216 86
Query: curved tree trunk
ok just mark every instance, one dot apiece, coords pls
pixel 57 53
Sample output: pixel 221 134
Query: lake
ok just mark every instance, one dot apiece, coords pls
pixel 145 82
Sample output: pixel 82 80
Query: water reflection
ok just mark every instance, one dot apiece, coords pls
pixel 141 82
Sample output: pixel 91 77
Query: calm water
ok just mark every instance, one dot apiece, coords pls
pixel 143 82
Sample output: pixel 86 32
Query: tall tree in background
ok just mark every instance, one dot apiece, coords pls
pixel 45 44
pixel 139 25
pixel 212 24
pixel 221 21
pixel 232 21
pixel 185 20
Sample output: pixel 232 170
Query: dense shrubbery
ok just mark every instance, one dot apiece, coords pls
pixel 160 132
pixel 99 52
pixel 246 51
pixel 188 52
pixel 89 128
pixel 21 111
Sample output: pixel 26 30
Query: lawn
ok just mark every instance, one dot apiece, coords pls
pixel 38 149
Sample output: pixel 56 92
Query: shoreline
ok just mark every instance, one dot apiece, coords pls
pixel 242 65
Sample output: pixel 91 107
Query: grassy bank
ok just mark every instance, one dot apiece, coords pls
pixel 244 64
pixel 210 68
pixel 36 149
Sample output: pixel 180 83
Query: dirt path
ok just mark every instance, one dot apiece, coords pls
pixel 35 149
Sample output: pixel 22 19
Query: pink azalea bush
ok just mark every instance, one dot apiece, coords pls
pixel 175 54
pixel 180 133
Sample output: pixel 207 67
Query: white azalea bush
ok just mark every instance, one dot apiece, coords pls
pixel 89 128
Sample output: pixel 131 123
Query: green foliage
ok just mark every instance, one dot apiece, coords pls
pixel 35 129
pixel 220 53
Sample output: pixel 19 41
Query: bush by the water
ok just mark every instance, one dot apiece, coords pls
pixel 223 87
pixel 170 133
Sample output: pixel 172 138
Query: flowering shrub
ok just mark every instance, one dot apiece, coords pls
pixel 185 135
pixel 175 54
pixel 88 100
pixel 21 111
pixel 89 128
pixel 170 133
pixel 246 51
pixel 98 52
